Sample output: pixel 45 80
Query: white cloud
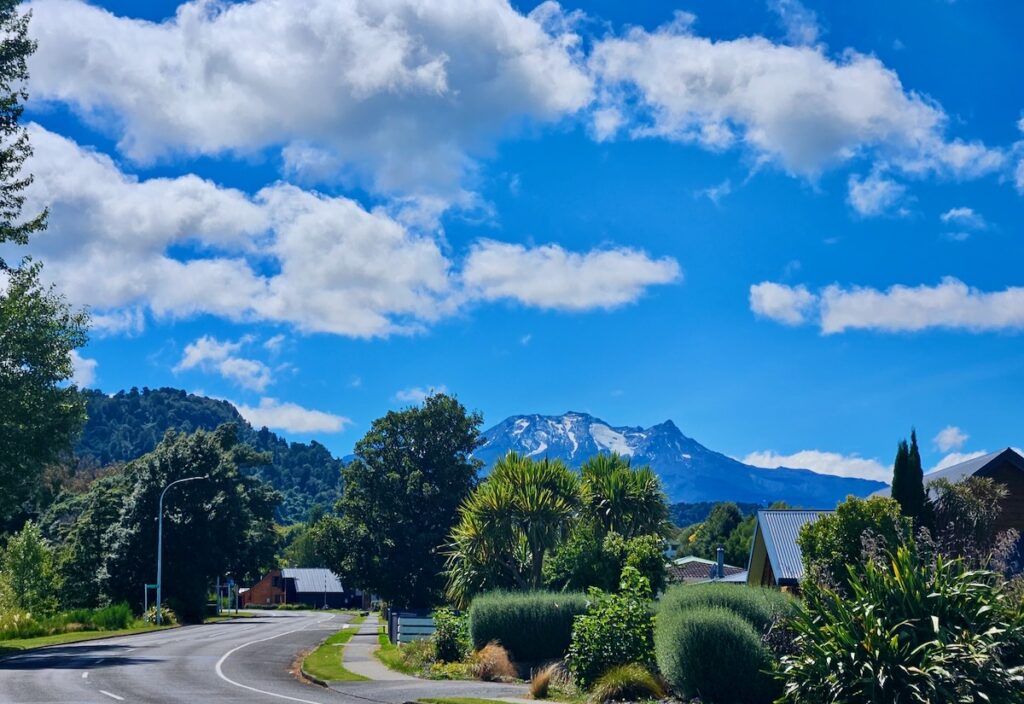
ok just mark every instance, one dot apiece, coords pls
pixel 785 304
pixel 800 23
pixel 717 192
pixel 418 394
pixel 873 195
pixel 334 266
pixel 273 344
pixel 84 374
pixel 964 217
pixel 291 417
pixel 823 463
pixel 551 277
pixel 400 92
pixel 951 304
pixel 213 355
pixel 794 106
pixel 950 438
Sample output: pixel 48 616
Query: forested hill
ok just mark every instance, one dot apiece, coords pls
pixel 131 423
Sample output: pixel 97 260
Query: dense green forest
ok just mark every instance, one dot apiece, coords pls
pixel 684 514
pixel 129 424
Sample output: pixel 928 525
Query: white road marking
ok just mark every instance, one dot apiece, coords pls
pixel 220 672
pixel 100 660
pixel 112 695
pixel 85 675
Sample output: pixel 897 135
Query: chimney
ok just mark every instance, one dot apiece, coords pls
pixel 721 562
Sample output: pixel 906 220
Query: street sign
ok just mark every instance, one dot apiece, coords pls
pixel 150 586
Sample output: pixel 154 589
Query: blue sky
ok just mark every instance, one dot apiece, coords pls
pixel 791 228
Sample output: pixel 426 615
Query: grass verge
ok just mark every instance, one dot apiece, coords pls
pixel 389 654
pixel 459 700
pixel 325 662
pixel 9 647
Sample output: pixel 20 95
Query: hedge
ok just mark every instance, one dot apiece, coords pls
pixel 755 604
pixel 715 654
pixel 532 626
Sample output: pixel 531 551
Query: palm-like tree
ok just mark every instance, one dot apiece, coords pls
pixel 622 499
pixel 509 524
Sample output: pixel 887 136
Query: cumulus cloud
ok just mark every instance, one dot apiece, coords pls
pixel 400 93
pixel 551 277
pixel 785 304
pixel 291 417
pixel 824 463
pixel 951 304
pixel 287 255
pixel 418 394
pixel 212 355
pixel 84 370
pixel 794 106
pixel 873 195
pixel 950 438
pixel 800 22
pixel 964 217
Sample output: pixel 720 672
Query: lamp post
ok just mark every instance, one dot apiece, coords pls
pixel 160 547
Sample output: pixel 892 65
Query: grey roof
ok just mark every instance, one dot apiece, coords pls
pixel 956 472
pixel 313 579
pixel 779 529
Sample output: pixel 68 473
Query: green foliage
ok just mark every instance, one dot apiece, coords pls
pixel 221 524
pixel 837 540
pixel 584 560
pixel 167 616
pixel 908 631
pixel 39 416
pixel 721 522
pixel 965 517
pixel 715 654
pixel 727 524
pixel 687 514
pixel 412 470
pixel 507 526
pixel 618 629
pixel 113 617
pixel 629 683
pixel 27 571
pixel 130 424
pixel 623 499
pixel 908 481
pixel 15 623
pixel 533 626
pixel 757 606
pixel 451 635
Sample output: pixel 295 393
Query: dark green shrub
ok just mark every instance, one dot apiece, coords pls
pixel 760 607
pixel 715 654
pixel 630 683
pixel 451 636
pixel 114 617
pixel 532 626
pixel 908 631
pixel 618 629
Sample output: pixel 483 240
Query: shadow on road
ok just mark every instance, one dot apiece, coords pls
pixel 68 657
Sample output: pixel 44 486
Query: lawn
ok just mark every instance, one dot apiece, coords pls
pixel 459 700
pixel 9 647
pixel 389 654
pixel 325 662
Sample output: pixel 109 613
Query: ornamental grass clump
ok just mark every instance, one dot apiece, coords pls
pixel 627 683
pixel 908 630
pixel 532 626
pixel 492 664
pixel 760 607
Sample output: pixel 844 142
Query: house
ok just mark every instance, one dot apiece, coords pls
pixel 1006 467
pixel 693 570
pixel 775 558
pixel 315 587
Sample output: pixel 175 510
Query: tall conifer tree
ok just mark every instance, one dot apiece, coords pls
pixel 908 479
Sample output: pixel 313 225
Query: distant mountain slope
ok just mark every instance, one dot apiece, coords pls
pixel 689 471
pixel 129 424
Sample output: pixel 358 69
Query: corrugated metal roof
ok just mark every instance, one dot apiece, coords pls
pixel 313 579
pixel 969 468
pixel 780 529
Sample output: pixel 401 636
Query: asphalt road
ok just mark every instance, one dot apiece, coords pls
pixel 246 660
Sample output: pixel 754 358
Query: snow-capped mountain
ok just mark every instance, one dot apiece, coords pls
pixel 689 471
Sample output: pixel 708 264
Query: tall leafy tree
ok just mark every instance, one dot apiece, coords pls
pixel 401 497
pixel 222 524
pixel 15 48
pixel 28 578
pixel 39 415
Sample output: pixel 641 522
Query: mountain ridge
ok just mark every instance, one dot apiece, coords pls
pixel 690 472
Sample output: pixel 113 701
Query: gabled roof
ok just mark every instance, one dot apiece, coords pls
pixel 313 579
pixel 779 530
pixel 970 468
pixel 691 568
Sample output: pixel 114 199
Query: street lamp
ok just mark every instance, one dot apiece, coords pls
pixel 160 547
